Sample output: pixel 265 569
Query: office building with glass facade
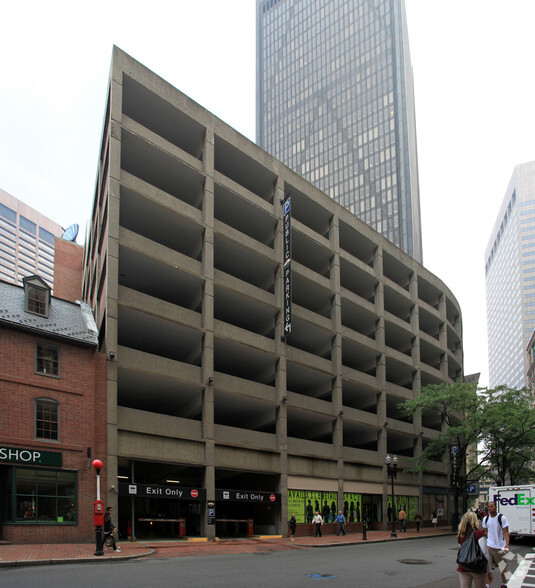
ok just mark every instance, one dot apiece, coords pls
pixel 510 281
pixel 26 241
pixel 335 103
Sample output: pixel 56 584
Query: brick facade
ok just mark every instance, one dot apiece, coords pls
pixel 81 393
pixel 68 260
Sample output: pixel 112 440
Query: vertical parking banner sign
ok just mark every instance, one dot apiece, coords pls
pixel 287 264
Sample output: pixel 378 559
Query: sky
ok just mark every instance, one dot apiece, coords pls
pixel 473 63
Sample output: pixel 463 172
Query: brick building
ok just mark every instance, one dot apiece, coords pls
pixel 53 393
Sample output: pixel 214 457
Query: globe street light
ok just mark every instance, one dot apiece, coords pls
pixel 392 471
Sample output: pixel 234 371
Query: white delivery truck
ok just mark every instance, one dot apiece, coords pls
pixel 517 503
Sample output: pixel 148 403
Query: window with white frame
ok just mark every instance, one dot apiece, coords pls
pixel 46 419
pixel 47 359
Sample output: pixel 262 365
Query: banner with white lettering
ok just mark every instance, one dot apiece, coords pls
pixel 247 496
pixel 287 264
pixel 157 491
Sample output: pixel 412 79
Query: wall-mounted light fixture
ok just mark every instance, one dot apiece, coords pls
pixel 112 354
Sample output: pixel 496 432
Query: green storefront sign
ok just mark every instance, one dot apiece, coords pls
pixel 30 456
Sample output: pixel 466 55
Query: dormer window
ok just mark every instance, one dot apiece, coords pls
pixel 36 301
pixel 37 295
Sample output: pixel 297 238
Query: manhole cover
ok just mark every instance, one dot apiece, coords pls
pixel 415 562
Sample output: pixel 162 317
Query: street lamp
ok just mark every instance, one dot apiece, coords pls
pixel 98 511
pixel 392 472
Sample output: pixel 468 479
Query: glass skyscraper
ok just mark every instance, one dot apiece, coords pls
pixel 510 281
pixel 335 103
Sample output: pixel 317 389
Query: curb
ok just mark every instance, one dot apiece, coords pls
pixel 70 560
pixel 368 541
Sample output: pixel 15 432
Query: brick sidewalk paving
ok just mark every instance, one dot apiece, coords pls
pixel 15 555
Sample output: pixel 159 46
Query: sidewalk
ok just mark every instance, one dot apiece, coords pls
pixel 25 555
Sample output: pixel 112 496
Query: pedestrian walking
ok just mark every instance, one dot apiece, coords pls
pixel 341 520
pixel 434 519
pixel 497 527
pixel 292 523
pixel 110 530
pixel 470 524
pixel 402 516
pixel 418 521
pixel 318 521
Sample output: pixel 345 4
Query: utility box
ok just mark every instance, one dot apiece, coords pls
pixel 98 513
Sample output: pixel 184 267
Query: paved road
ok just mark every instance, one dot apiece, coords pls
pixel 409 564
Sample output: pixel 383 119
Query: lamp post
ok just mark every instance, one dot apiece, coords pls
pixel 392 471
pixel 98 511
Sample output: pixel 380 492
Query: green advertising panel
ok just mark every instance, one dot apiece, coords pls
pixel 409 503
pixel 352 507
pixel 305 503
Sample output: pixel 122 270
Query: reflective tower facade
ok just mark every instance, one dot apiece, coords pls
pixel 510 281
pixel 335 103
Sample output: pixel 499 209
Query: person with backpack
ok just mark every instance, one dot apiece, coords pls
pixel 497 527
pixel 470 525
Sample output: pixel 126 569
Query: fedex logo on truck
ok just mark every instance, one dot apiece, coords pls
pixel 517 499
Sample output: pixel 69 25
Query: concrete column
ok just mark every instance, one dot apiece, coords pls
pixel 443 336
pixel 280 375
pixel 208 375
pixel 111 258
pixel 336 357
pixel 415 324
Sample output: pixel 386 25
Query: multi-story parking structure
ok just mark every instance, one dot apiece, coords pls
pixel 214 415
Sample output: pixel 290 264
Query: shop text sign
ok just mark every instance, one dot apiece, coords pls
pixel 247 496
pixel 30 456
pixel 157 491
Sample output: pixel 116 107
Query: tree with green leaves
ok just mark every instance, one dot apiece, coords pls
pixel 500 422
pixel 457 405
pixel 507 442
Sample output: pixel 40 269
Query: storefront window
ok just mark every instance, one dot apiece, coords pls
pixel 42 496
pixel 305 503
pixel 410 505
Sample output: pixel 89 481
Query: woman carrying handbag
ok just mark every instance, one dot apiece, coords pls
pixel 471 574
